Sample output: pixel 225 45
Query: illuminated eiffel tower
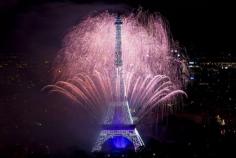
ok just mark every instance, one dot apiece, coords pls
pixel 118 130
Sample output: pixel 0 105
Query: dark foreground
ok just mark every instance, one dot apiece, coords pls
pixel 217 148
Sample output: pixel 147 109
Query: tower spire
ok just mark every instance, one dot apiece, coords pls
pixel 118 52
pixel 120 86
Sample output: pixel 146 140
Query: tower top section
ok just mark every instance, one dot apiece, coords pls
pixel 118 53
pixel 118 20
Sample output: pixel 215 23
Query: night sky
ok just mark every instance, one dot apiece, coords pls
pixel 33 31
pixel 204 27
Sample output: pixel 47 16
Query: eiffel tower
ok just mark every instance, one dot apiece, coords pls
pixel 118 130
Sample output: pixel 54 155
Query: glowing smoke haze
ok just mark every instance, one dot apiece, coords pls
pixel 84 67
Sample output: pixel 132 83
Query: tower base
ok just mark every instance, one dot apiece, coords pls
pixel 131 135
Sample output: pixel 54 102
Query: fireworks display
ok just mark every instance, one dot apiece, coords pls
pixel 84 67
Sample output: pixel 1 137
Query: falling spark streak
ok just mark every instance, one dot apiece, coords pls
pixel 86 63
pixel 92 93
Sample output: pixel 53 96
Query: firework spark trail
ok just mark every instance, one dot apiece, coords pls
pixel 142 99
pixel 90 45
pixel 85 65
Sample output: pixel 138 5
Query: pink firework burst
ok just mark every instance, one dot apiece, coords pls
pixel 85 64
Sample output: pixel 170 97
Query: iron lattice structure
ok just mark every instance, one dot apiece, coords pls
pixel 118 120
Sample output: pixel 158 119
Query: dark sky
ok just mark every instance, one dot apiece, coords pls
pixel 205 27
